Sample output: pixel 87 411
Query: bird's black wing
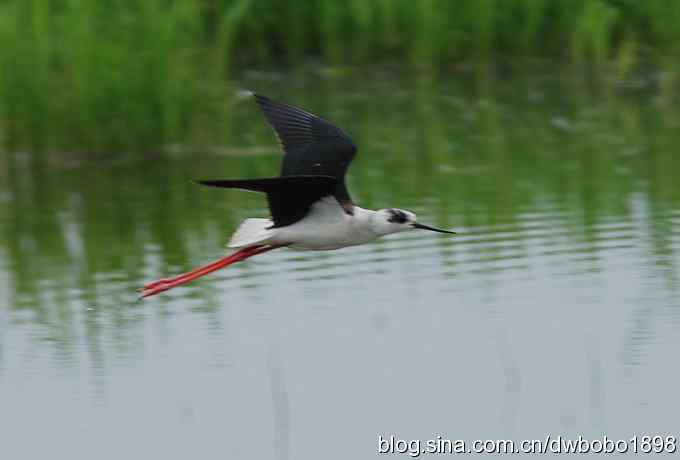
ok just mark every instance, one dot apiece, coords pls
pixel 289 197
pixel 312 145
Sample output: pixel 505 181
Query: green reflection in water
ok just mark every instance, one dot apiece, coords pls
pixel 537 168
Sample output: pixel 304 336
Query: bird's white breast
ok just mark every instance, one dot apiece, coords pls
pixel 327 226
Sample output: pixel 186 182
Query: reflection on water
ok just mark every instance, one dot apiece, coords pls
pixel 554 310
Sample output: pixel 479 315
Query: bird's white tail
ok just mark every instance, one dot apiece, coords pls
pixel 251 232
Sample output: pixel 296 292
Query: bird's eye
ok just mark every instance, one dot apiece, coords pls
pixel 397 216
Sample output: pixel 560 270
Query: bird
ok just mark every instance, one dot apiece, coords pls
pixel 309 204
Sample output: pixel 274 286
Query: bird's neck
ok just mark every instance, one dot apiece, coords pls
pixel 368 219
pixel 361 214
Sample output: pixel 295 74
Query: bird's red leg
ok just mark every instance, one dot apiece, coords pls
pixel 161 281
pixel 164 284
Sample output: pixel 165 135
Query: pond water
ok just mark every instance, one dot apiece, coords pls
pixel 555 310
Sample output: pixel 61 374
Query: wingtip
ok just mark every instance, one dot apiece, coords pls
pixel 260 99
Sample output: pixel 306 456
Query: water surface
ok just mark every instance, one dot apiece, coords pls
pixel 555 309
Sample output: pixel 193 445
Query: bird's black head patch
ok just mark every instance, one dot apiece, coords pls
pixel 397 216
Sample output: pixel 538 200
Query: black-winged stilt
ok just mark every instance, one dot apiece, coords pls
pixel 309 203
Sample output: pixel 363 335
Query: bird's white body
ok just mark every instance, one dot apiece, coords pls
pixel 326 227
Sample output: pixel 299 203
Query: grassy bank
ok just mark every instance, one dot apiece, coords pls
pixel 138 75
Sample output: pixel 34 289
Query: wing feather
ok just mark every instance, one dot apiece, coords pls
pixel 289 197
pixel 311 145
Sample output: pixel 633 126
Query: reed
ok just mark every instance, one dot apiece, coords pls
pixel 139 75
pixel 101 76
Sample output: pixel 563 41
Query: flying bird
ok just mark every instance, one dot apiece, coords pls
pixel 309 203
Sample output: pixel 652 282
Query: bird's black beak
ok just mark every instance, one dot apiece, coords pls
pixel 427 227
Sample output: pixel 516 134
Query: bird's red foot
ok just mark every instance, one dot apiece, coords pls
pixel 158 287
pixel 153 284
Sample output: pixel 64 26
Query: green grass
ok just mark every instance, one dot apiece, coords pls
pixel 438 32
pixel 99 76
pixel 139 75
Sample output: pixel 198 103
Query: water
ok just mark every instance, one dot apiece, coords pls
pixel 555 310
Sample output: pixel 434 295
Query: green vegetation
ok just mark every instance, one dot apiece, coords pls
pixel 106 76
pixel 139 75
